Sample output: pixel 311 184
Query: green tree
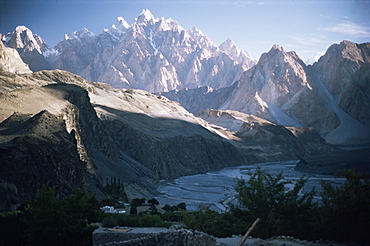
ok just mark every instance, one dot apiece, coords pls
pixel 153 201
pixel 116 189
pixel 282 212
pixel 135 203
pixel 181 206
pixel 213 222
pixel 51 221
pixel 345 211
pixel 12 228
pixel 167 208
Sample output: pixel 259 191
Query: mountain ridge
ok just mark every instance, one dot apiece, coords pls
pixel 123 55
pixel 282 89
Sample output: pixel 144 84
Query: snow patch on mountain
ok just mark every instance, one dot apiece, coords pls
pixel 315 58
pixel 50 52
pixel 152 42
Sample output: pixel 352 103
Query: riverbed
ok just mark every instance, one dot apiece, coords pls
pixel 215 188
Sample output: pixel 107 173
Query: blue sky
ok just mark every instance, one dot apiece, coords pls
pixel 305 26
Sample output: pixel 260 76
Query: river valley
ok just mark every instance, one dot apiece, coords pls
pixel 215 188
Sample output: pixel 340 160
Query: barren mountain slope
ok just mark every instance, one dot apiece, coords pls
pixel 49 124
pixel 267 140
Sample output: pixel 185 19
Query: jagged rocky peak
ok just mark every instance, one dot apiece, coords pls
pixel 118 29
pixel 279 65
pixel 270 85
pixel 23 38
pixel 279 52
pixel 166 57
pixel 10 61
pixel 230 48
pixel 199 37
pixel 351 51
pixel 82 35
pixel 348 50
pixel 120 23
pixel 145 16
pixel 31 47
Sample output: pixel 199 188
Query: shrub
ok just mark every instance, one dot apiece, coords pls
pixel 51 221
pixel 345 210
pixel 282 212
pixel 116 189
pixel 142 220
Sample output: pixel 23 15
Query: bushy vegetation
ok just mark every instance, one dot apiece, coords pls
pixel 115 188
pixel 281 212
pixel 215 223
pixel 47 220
pixel 145 219
pixel 343 213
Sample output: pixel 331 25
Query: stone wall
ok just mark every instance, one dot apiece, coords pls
pixel 151 237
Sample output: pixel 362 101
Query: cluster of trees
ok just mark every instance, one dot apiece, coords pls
pixel 116 190
pixel 149 218
pixel 343 214
pixel 47 220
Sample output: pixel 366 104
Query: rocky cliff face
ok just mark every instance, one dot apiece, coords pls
pixel 344 73
pixel 37 150
pixel 278 76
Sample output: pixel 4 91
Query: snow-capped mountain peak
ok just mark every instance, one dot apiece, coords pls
pixel 82 36
pixel 84 32
pixel 31 47
pixel 228 42
pixel 121 23
pixel 21 37
pixel 154 54
pixel 195 31
pixel 145 16
pixel 119 28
